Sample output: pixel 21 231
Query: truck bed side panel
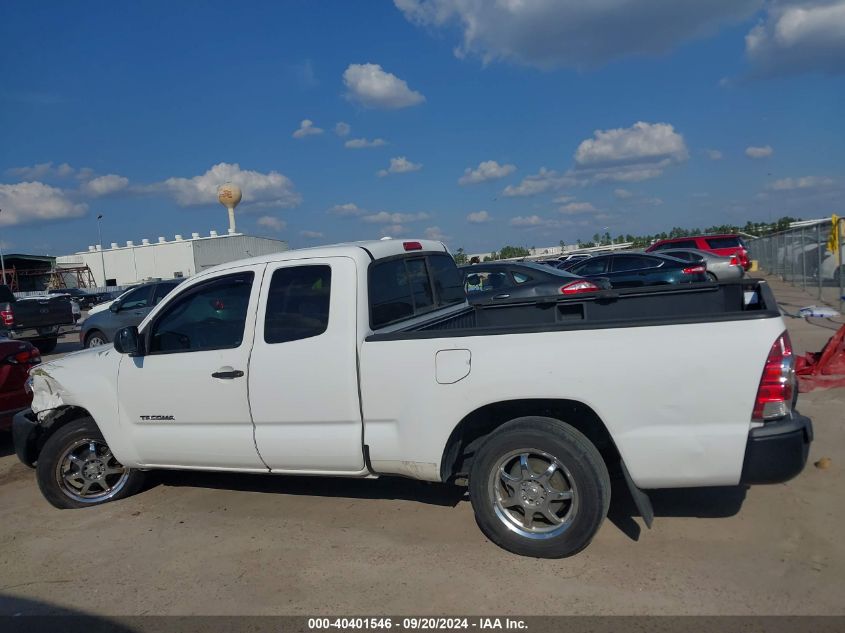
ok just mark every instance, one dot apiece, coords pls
pixel 677 399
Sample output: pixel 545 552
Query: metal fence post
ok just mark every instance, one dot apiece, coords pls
pixel 803 261
pixel 820 251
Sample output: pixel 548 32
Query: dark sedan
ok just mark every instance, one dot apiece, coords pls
pixel 498 281
pixel 628 270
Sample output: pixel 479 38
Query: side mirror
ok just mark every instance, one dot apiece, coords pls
pixel 115 306
pixel 127 341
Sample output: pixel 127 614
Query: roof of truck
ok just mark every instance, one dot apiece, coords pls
pixel 377 249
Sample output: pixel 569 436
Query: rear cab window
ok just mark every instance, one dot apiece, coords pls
pixel 407 286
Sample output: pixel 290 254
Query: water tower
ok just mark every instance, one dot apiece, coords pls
pixel 229 196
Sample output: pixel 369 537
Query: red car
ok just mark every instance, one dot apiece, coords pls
pixel 16 359
pixel 728 244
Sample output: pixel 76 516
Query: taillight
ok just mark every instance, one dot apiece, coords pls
pixel 24 357
pixel 693 270
pixel 581 285
pixel 777 386
pixel 412 246
pixel 7 315
pixel 734 261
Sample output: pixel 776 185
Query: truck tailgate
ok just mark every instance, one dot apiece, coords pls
pixel 34 312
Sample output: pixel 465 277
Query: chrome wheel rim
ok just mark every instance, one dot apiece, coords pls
pixel 533 493
pixel 89 473
pixel 95 341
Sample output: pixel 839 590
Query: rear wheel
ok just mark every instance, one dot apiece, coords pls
pixel 46 345
pixel 76 468
pixel 539 488
pixel 711 277
pixel 95 338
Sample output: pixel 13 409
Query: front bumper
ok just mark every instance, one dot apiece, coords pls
pixel 25 434
pixel 777 451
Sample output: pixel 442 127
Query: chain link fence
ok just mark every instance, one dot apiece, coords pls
pixel 811 256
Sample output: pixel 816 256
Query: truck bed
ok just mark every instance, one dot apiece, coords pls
pixel 629 307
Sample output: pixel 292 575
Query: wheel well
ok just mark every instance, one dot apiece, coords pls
pixel 55 420
pixel 470 432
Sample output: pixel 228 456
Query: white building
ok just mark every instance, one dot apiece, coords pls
pixel 163 259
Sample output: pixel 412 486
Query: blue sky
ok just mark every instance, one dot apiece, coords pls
pixel 559 119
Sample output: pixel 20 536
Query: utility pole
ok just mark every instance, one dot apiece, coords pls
pixel 102 257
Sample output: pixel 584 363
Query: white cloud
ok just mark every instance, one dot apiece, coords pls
pixel 622 194
pixel 805 182
pixel 361 143
pixel 759 152
pixel 713 154
pixel 798 36
pixel 577 208
pixel 306 128
pixel 346 210
pixel 25 202
pixel 434 233
pixel 311 235
pixel 342 129
pixel 105 185
pixel 544 180
pixel 486 170
pixel 269 222
pixel 527 221
pixel 399 165
pixel 41 171
pixel 563 199
pixel 394 230
pixel 631 154
pixel 573 33
pixel 373 87
pixel 479 217
pixel 383 217
pixel 270 189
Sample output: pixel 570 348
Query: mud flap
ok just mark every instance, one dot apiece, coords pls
pixel 640 498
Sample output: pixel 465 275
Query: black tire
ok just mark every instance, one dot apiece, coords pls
pixel 94 334
pixel 712 277
pixel 46 345
pixel 589 489
pixel 81 432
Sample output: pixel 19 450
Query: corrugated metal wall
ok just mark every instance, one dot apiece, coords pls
pixel 212 251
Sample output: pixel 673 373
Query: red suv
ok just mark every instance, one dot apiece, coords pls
pixel 728 245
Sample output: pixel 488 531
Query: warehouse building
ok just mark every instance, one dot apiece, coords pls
pixel 163 259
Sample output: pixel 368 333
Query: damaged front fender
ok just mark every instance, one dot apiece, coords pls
pixel 47 392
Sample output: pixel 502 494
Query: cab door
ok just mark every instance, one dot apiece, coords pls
pixel 185 401
pixel 303 378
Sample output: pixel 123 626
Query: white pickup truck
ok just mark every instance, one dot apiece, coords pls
pixel 365 359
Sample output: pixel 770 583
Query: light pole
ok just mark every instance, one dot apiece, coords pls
pixel 102 257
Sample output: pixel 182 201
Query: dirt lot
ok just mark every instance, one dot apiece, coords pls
pixel 223 544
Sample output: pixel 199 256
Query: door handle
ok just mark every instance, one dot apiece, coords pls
pixel 501 296
pixel 227 373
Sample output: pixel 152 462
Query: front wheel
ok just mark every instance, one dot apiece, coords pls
pixel 76 468
pixel 539 488
pixel 95 338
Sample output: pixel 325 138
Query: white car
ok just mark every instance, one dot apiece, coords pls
pixel 365 360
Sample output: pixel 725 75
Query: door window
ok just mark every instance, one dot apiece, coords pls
pixel 679 244
pixel 723 242
pixel 521 278
pixel 138 298
pixel 485 281
pixel 594 266
pixel 624 263
pixel 298 303
pixel 162 290
pixel 211 315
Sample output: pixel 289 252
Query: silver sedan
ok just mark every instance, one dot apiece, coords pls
pixel 719 268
